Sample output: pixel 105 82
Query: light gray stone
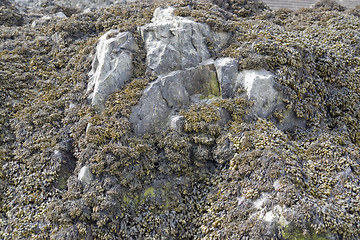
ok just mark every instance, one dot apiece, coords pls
pixel 85 175
pixel 112 66
pixel 174 43
pixel 259 86
pixel 227 72
pixel 176 123
pixel 45 19
pixel 170 93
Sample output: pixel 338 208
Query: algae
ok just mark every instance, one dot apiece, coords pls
pixel 203 181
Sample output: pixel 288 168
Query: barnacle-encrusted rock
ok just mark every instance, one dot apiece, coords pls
pixel 9 15
pixel 214 173
pixel 112 66
pixel 45 19
pixel 174 43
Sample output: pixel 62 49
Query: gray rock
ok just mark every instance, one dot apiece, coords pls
pixel 227 71
pixel 45 19
pixel 170 93
pixel 174 43
pixel 85 175
pixel 176 123
pixel 112 66
pixel 152 110
pixel 67 163
pixel 259 86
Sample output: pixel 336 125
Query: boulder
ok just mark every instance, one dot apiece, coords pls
pixel 175 43
pixel 112 66
pixel 259 88
pixel 176 123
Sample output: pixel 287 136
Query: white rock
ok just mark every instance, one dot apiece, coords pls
pixel 45 19
pixel 176 123
pixel 60 15
pixel 85 175
pixel 276 215
pixel 112 66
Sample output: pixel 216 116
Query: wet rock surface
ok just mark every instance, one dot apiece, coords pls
pixel 230 158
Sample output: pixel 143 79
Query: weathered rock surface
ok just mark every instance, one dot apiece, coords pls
pixel 259 86
pixel 227 72
pixel 112 65
pixel 85 175
pixel 175 43
pixel 170 93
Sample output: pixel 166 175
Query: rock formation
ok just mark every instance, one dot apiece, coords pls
pixel 112 66
pixel 175 43
pixel 226 120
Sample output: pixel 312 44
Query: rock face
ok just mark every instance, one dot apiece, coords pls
pixel 174 43
pixel 259 86
pixel 227 72
pixel 112 66
pixel 176 50
pixel 170 93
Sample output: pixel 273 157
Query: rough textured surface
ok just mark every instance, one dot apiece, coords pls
pixel 175 43
pixel 85 175
pixel 170 93
pixel 112 66
pixel 239 179
pixel 259 87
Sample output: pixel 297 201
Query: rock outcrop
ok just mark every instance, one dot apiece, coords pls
pixel 214 165
pixel 172 92
pixel 175 43
pixel 259 87
pixel 112 66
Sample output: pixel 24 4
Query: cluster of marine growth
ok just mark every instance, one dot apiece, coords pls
pixel 252 133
